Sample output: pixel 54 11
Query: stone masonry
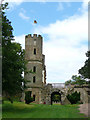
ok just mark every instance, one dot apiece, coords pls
pixel 41 92
pixel 36 64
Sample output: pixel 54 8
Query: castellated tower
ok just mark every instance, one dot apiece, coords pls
pixel 36 63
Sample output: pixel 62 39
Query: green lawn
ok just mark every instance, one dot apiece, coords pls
pixel 22 110
pixel 0 111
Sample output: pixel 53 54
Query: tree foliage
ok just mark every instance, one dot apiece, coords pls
pixel 56 98
pixel 78 80
pixel 12 59
pixel 68 82
pixel 85 70
pixel 28 97
pixel 74 97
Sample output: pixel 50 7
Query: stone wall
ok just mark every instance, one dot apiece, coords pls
pixel 83 93
pixel 33 54
pixel 40 90
pixel 31 43
pixel 37 74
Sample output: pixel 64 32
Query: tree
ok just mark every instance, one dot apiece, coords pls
pixel 28 97
pixel 13 61
pixel 74 97
pixel 78 80
pixel 68 82
pixel 85 70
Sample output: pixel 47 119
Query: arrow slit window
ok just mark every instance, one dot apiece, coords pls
pixel 34 51
pixel 34 79
pixel 34 69
pixel 33 97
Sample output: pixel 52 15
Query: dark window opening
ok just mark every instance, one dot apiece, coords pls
pixel 34 79
pixel 33 97
pixel 34 69
pixel 34 51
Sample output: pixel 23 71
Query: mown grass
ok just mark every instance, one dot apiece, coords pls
pixel 0 111
pixel 22 110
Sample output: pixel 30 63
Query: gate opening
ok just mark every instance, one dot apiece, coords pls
pixel 55 97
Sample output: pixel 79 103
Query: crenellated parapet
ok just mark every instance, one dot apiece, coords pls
pixel 32 36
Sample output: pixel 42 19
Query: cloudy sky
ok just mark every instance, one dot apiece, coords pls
pixel 64 28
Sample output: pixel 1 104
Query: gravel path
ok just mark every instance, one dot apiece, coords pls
pixel 85 108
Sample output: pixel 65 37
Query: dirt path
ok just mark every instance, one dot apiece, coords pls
pixel 85 108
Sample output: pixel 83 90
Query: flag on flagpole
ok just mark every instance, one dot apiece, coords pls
pixel 35 21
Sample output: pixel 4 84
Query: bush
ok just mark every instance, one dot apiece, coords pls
pixel 28 97
pixel 74 97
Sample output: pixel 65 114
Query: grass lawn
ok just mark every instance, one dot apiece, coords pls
pixel 22 110
pixel 0 111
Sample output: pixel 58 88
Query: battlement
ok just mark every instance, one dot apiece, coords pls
pixel 32 36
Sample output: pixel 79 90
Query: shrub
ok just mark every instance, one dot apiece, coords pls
pixel 28 97
pixel 74 97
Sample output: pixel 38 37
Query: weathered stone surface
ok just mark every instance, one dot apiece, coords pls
pixel 40 90
pixel 65 101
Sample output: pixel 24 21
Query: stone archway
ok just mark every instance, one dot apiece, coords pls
pixel 55 96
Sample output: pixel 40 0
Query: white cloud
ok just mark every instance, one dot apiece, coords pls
pixel 13 3
pixel 64 46
pixel 20 1
pixel 21 39
pixel 84 7
pixel 22 14
pixel 17 2
pixel 63 62
pixel 60 7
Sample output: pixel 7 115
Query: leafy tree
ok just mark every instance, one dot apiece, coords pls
pixel 12 60
pixel 68 82
pixel 74 97
pixel 85 70
pixel 0 53
pixel 28 97
pixel 78 80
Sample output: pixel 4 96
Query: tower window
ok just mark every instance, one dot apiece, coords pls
pixel 33 97
pixel 34 79
pixel 34 51
pixel 34 69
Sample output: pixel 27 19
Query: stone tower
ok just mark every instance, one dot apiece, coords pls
pixel 36 64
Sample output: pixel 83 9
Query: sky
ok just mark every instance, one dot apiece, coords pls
pixel 64 28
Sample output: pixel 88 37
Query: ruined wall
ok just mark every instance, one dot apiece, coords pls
pixel 83 94
pixel 37 80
